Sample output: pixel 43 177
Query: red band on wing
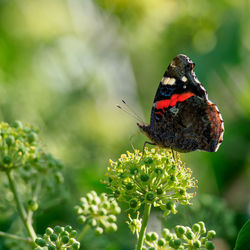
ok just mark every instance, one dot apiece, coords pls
pixel 173 100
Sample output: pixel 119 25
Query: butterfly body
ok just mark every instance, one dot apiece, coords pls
pixel 182 117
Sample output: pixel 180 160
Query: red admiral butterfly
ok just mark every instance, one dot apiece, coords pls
pixel 182 117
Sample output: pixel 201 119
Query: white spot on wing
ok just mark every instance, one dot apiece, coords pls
pixel 168 81
pixel 184 79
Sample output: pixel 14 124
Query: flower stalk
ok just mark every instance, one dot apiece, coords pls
pixel 143 226
pixel 20 208
pixel 83 232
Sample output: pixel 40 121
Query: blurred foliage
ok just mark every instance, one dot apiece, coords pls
pixel 65 64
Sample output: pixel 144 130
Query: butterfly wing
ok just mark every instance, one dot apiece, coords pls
pixel 182 117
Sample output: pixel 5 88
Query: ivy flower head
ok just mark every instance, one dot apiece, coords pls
pixel 98 211
pixel 182 238
pixel 153 177
pixel 58 238
pixel 18 144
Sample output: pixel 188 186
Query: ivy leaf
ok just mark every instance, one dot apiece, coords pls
pixel 243 239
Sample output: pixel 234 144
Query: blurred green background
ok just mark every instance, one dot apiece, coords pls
pixel 64 65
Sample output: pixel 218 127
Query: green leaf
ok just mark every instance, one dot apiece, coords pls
pixel 243 239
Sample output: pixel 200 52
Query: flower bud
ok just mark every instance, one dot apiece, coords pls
pixel 211 234
pixel 144 177
pixel 182 191
pixel 180 230
pixel 68 228
pixel 10 140
pixel 172 178
pixel 53 237
pixel 64 233
pixel 93 209
pixel 169 205
pixel 158 171
pixel 203 240
pixel 159 191
pixel 89 197
pixel 203 227
pixel 150 196
pixel 111 218
pixel 148 237
pixel 209 245
pixel 58 229
pixel 197 244
pixel 32 205
pixel 148 160
pixel 49 231
pixel 92 222
pixel 134 171
pixel 161 242
pixel 165 232
pixel 51 247
pixel 177 243
pixel 99 231
pixel 129 186
pixel 40 242
pixel 189 234
pixel 102 212
pixel 171 243
pixel 154 236
pixel 196 228
pixel 6 159
pixel 76 245
pixel 17 124
pixel 111 228
pixel 65 239
pixel 32 137
pixel 81 219
pixel 133 203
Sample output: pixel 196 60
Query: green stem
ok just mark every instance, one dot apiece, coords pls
pixel 143 226
pixel 14 237
pixel 35 195
pixel 84 230
pixel 20 207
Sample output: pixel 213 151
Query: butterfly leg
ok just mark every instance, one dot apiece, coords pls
pixel 177 156
pixel 174 155
pixel 144 145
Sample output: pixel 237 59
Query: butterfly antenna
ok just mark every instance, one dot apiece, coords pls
pixel 129 113
pixel 133 112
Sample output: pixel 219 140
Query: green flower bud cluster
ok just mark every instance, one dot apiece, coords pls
pixel 152 177
pixel 18 145
pixel 21 149
pixel 98 211
pixel 182 238
pixel 58 238
pixel 45 164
